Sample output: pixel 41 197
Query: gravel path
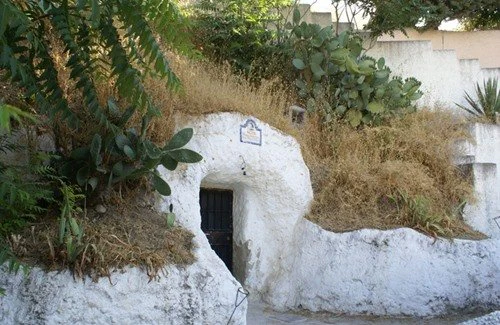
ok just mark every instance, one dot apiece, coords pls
pixel 261 314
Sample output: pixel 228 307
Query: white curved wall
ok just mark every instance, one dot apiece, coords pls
pixel 283 258
pixel 269 199
pixel 390 273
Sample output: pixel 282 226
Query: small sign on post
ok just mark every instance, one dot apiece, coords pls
pixel 250 133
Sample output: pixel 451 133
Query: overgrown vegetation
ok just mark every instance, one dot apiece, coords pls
pixel 81 67
pixel 19 195
pixel 397 174
pixel 246 33
pixel 98 81
pixel 487 102
pixel 93 41
pixel 131 233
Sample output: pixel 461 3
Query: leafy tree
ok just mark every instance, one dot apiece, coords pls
pixel 245 33
pixel 485 19
pixel 387 16
pixel 112 40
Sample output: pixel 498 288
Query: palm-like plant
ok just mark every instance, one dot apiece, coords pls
pixel 488 100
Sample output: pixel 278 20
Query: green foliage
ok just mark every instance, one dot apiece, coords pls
pixel 336 80
pixel 22 190
pixel 387 16
pixel 70 232
pixel 93 43
pixel 127 156
pixel 102 39
pixel 247 34
pixel 485 19
pixel 487 103
pixel 9 113
pixel 22 186
pixel 422 218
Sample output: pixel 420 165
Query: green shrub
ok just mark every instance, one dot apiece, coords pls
pixel 22 184
pixel 22 189
pixel 125 156
pixel 488 100
pixel 336 80
pixel 247 34
pixel 94 41
pixel 333 78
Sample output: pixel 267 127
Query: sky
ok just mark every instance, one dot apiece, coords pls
pixel 326 5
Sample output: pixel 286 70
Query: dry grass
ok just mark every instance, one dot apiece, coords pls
pixel 400 174
pixel 127 234
pixel 210 88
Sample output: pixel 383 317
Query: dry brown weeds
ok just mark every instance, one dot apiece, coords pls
pixel 361 177
pixel 128 234
pixel 210 88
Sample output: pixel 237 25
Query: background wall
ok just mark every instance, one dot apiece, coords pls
pixel 481 45
pixel 447 63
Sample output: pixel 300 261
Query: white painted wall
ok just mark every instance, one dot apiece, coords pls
pixel 202 293
pixel 444 77
pixel 269 200
pixel 288 261
pixel 392 273
pixel 482 153
pixel 294 264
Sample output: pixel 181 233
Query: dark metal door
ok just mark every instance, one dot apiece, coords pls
pixel 217 222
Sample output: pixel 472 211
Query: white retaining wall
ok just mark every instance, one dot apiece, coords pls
pixel 202 293
pixel 444 77
pixel 279 256
pixel 482 155
pixel 392 273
